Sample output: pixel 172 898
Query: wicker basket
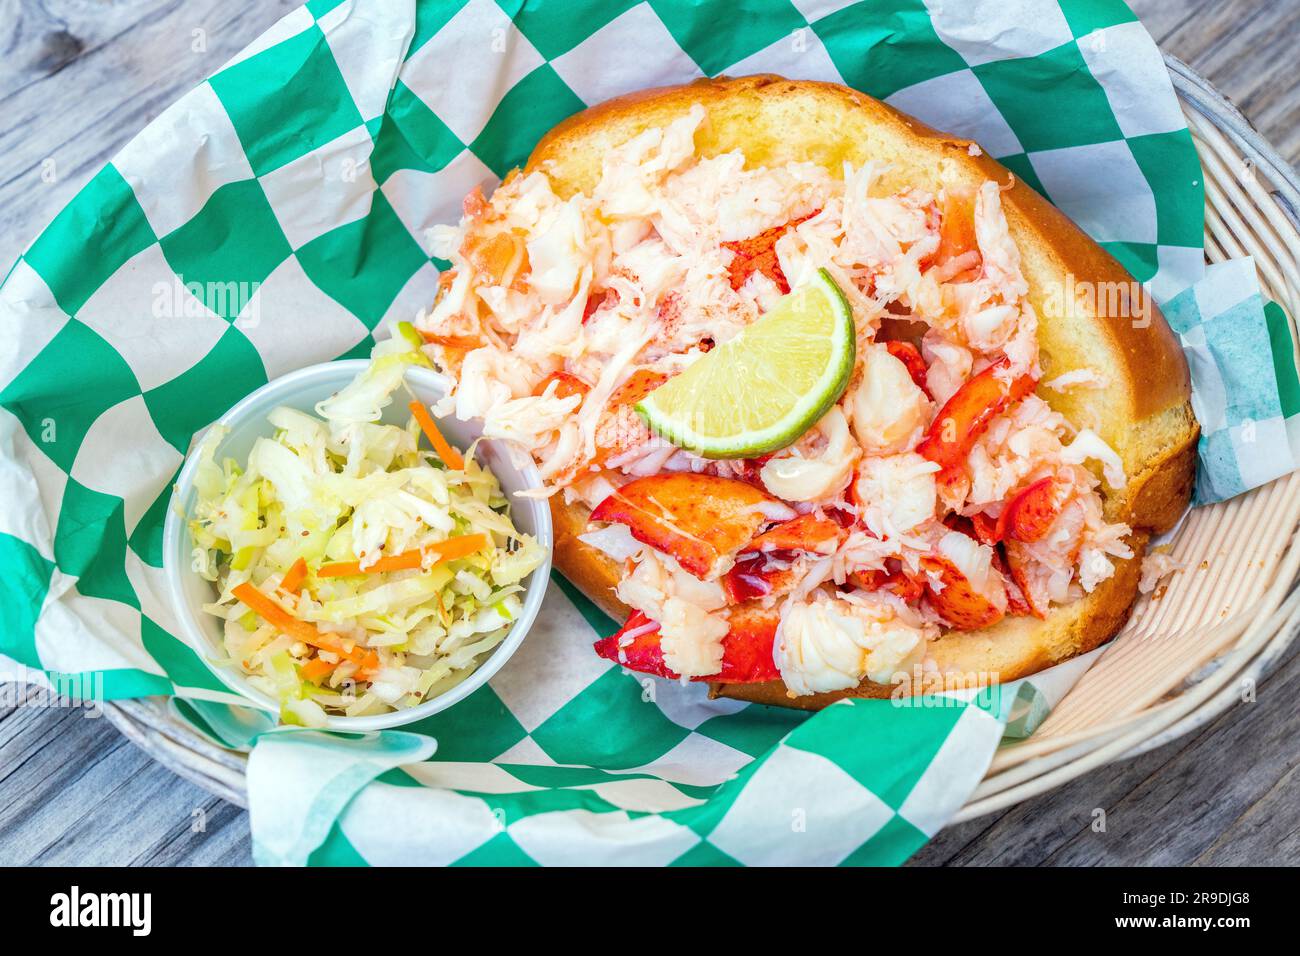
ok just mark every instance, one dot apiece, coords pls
pixel 1188 652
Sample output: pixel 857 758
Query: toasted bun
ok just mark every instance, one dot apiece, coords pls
pixel 1143 410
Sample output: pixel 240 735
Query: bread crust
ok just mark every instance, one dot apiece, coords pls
pixel 1092 315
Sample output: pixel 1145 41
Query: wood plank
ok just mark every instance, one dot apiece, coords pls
pixel 1247 49
pixel 78 80
pixel 1268 832
pixel 1209 786
pixel 1162 18
pixel 74 792
pixel 1189 801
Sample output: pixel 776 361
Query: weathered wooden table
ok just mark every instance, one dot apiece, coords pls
pixel 79 78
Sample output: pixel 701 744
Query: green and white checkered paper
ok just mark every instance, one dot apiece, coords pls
pixel 276 216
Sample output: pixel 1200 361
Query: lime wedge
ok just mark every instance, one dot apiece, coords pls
pixel 767 386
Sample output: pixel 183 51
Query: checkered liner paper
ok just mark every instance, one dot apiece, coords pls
pixel 306 172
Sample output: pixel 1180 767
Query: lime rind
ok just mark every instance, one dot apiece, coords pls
pixel 714 378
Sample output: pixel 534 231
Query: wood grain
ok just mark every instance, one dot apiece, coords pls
pixel 1223 796
pixel 74 792
pixel 77 79
pixel 1247 49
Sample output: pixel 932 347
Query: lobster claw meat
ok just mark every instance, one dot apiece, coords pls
pixel 620 428
pixel 754 576
pixel 910 356
pixel 956 224
pixel 811 533
pixel 896 581
pixel 758 254
pixel 499 258
pixel 1017 603
pixel 746 648
pixel 985 528
pixel 957 600
pixel 638 385
pixel 641 652
pixel 1027 516
pixel 952 483
pixel 566 384
pixel 475 205
pixel 701 520
pixel 1020 566
pixel 966 416
pixel 763 565
pixel 598 300
pixel 1030 514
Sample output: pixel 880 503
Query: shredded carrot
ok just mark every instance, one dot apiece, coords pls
pixel 305 631
pixel 447 550
pixel 405 561
pixel 450 456
pixel 293 578
pixel 316 670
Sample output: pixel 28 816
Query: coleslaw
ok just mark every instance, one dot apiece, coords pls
pixel 357 572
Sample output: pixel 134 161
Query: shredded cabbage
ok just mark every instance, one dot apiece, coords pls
pixel 344 487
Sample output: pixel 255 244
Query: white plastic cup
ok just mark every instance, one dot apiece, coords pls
pixel 247 422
